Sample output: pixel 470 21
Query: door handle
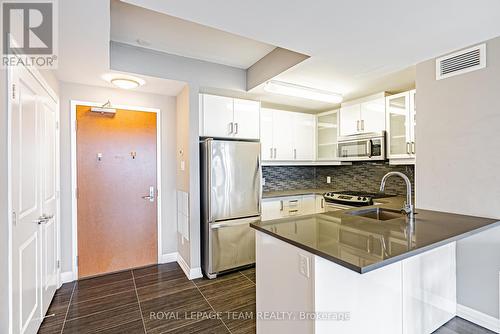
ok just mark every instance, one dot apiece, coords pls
pixel 43 219
pixel 151 196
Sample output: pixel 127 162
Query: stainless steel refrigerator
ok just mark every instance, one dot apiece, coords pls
pixel 231 195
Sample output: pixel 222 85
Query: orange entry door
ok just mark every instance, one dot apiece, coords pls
pixel 116 171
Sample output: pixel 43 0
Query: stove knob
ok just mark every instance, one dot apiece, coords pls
pixel 359 198
pixel 364 199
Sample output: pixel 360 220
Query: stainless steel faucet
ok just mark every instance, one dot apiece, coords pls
pixel 408 206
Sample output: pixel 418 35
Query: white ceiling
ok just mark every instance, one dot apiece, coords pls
pixel 180 37
pixel 356 47
pixel 84 47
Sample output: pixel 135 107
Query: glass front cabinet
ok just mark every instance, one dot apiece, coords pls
pixel 401 112
pixel 327 132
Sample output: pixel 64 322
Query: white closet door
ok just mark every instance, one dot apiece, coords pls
pixel 33 193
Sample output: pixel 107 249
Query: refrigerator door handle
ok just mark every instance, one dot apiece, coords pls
pixel 208 148
pixel 245 221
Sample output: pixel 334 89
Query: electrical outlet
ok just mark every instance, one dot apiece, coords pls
pixel 328 179
pixel 304 265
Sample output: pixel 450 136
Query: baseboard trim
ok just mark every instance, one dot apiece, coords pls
pixel 191 273
pixel 479 318
pixel 67 276
pixel 167 258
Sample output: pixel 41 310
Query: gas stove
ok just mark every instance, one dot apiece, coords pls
pixel 352 198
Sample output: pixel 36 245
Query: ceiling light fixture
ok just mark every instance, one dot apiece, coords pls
pixel 123 81
pixel 285 88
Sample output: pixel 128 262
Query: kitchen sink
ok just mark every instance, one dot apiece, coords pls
pixel 378 213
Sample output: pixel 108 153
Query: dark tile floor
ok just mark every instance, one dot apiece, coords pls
pixel 156 299
pixel 160 299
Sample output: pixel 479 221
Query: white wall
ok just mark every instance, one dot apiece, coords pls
pixel 458 166
pixel 70 91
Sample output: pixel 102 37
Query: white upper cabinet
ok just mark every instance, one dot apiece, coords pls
pixel 283 123
pixel 401 125
pixel 217 116
pixel 350 117
pixel 373 116
pixel 364 117
pixel 225 117
pixel 287 136
pixel 246 119
pixel 266 134
pixel 304 134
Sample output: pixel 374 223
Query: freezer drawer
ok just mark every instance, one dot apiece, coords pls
pixel 232 244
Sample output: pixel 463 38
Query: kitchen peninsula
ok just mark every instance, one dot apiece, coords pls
pixel 360 270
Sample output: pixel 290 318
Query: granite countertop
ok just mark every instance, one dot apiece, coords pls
pixel 363 244
pixel 296 192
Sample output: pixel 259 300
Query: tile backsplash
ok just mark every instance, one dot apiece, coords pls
pixel 360 176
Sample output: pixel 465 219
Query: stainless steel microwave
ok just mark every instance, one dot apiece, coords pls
pixel 362 147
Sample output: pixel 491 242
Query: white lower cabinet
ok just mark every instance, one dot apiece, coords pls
pixel 414 295
pixel 288 206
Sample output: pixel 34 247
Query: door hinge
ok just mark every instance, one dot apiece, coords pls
pixel 76 193
pixel 58 264
pixel 14 218
pixel 13 91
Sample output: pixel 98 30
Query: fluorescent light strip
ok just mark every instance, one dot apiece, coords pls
pixel 284 88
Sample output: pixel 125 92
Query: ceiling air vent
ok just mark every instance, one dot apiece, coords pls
pixel 461 62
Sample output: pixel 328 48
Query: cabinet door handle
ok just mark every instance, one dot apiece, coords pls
pixel 271 153
pixel 362 125
pixel 413 147
pixel 281 205
pixel 295 153
pixel 235 128
pixel 408 148
pixel 357 125
pixel 275 153
pixel 322 203
pixel 231 128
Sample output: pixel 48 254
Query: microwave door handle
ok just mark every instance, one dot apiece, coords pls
pixel 369 145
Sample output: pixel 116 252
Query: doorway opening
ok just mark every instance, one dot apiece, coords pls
pixel 116 173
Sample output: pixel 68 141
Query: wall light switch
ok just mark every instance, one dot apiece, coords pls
pixel 304 265
pixel 328 179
